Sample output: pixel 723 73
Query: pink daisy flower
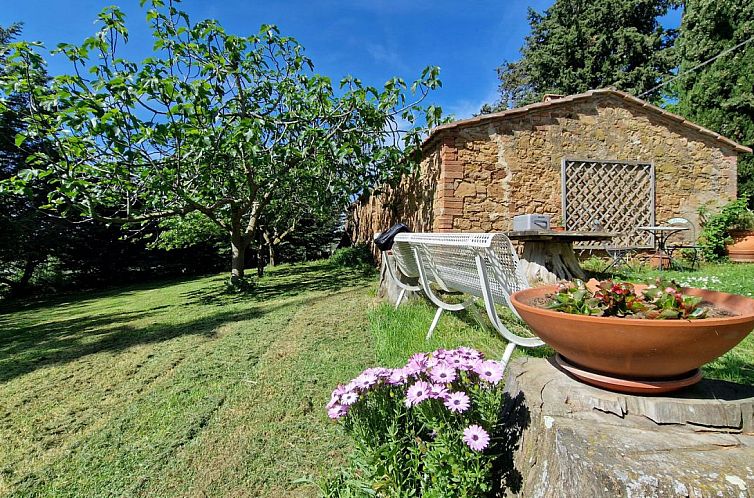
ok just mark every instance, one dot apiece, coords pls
pixel 455 361
pixel 476 438
pixel 419 361
pixel 334 400
pixel 490 371
pixel 438 391
pixel 365 380
pixel 457 402
pixel 469 353
pixel 397 377
pixel 418 393
pixel 349 398
pixel 443 373
pixel 337 412
pixel 378 372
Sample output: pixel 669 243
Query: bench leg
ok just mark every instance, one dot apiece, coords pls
pixel 400 298
pixel 507 354
pixel 434 323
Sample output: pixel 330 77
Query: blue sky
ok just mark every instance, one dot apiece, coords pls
pixel 370 39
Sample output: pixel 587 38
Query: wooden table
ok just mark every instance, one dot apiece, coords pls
pixel 548 255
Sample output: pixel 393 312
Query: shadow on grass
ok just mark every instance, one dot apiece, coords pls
pixel 47 346
pixel 732 367
pixel 284 282
pixel 25 348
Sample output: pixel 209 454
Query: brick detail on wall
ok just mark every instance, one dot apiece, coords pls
pixel 450 170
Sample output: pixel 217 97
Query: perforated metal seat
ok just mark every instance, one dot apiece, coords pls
pixel 483 265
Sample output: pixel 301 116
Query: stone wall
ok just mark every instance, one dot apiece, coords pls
pixel 414 201
pixel 494 169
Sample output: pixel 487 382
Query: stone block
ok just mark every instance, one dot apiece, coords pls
pixel 572 440
pixel 465 189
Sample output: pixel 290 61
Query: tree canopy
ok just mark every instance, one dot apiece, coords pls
pixel 719 95
pixel 214 124
pixel 579 45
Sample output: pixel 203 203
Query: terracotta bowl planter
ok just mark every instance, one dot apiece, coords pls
pixel 659 351
pixel 742 248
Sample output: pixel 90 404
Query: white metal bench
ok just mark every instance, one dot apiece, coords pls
pixel 483 265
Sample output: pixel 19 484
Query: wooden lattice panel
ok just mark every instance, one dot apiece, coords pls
pixel 615 196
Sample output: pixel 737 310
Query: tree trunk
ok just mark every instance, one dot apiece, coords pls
pixel 238 250
pixel 271 248
pixel 260 261
pixel 17 288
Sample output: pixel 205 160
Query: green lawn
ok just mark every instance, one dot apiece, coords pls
pixel 177 388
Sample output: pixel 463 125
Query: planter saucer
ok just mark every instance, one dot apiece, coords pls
pixel 629 385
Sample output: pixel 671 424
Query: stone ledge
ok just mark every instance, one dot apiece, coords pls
pixel 576 440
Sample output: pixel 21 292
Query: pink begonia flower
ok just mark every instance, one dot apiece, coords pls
pixel 476 438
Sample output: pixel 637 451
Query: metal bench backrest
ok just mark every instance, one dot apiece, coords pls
pixel 450 261
pixel 404 258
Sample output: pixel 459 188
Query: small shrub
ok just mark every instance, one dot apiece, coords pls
pixel 716 233
pixel 431 428
pixel 357 256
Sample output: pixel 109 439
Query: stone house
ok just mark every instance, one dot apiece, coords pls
pixel 603 159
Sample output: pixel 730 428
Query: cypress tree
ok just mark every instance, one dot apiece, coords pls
pixel 720 95
pixel 579 45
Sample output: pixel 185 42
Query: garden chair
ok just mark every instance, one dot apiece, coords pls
pixel 619 255
pixel 692 249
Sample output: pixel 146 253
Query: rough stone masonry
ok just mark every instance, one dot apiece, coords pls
pixel 476 174
pixel 567 439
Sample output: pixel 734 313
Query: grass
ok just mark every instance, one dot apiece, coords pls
pixel 180 389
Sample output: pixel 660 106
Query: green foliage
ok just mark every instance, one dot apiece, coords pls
pixel 716 229
pixel 357 256
pixel 187 231
pixel 228 126
pixel 719 95
pixel 574 298
pixel 579 45
pixel 661 300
